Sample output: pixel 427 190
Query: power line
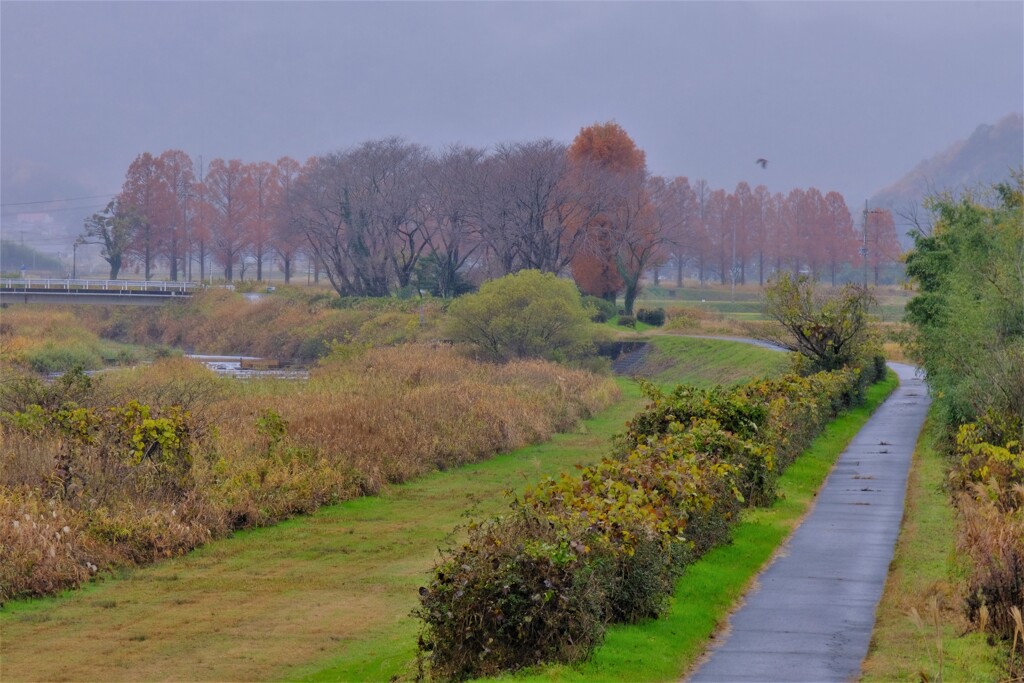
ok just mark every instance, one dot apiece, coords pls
pixel 90 208
pixel 54 201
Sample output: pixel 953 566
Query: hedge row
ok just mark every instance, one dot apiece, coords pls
pixel 540 583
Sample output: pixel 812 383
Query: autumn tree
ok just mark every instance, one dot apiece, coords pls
pixel 145 191
pixel 840 240
pixel 176 184
pixel 623 238
pixel 681 232
pixel 761 228
pixel 200 236
pixel 530 207
pixel 286 237
pixel 882 243
pixel 262 177
pixel 716 224
pixel 229 196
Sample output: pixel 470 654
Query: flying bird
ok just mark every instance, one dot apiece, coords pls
pixel 763 162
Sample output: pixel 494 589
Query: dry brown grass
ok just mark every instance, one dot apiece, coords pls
pixel 702 321
pixel 262 452
pixel 292 325
pixel 992 541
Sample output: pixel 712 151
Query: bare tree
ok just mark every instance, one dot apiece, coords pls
pixel 535 209
pixel 454 215
pixel 364 216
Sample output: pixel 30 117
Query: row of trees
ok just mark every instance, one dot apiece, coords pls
pixel 968 334
pixel 389 215
pixel 230 213
pixel 752 232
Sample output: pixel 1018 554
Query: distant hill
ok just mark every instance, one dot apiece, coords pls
pixel 986 157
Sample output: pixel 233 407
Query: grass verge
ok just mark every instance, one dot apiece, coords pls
pixel 713 360
pixel 663 649
pixel 923 577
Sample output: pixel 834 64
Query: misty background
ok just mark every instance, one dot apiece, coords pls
pixel 845 96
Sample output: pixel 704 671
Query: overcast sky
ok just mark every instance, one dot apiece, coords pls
pixel 839 96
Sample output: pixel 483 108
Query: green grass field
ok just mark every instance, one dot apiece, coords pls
pixel 323 597
pixel 746 303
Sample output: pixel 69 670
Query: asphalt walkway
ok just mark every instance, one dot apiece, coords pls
pixel 810 614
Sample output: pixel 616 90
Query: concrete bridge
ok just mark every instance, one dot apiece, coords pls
pixel 124 292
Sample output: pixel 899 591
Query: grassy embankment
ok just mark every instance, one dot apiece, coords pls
pixel 938 644
pixel 325 596
pixel 52 339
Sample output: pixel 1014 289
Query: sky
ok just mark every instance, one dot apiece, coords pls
pixel 845 96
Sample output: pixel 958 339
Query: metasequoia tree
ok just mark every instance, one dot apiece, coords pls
pixel 718 231
pixel 882 243
pixel 262 179
pixel 762 225
pixel 286 236
pixel 177 180
pixel 229 197
pixel 145 191
pixel 682 227
pixel 840 240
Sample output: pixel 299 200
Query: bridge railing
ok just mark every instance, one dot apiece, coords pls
pixel 78 285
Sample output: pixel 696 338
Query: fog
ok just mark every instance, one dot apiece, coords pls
pixel 839 96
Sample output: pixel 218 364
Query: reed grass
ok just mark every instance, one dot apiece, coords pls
pixel 257 457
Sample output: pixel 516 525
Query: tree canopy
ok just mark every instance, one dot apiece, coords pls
pixel 830 330
pixel 969 312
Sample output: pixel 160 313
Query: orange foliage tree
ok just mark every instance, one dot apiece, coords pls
pixel 624 237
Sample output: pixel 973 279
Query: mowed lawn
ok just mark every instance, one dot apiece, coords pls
pixel 323 596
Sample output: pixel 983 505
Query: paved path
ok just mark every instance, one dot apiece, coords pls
pixel 809 618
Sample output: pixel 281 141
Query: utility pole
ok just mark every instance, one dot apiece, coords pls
pixel 864 249
pixel 732 291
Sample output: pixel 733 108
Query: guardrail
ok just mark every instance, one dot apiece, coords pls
pixel 114 286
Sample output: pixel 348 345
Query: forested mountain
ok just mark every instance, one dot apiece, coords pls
pixel 984 158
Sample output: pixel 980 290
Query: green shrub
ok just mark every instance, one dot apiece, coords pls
pixel 519 592
pixel 526 315
pixel 53 358
pixel 626 321
pixel 601 310
pixel 650 316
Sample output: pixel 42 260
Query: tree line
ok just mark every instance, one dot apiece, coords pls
pixel 390 215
